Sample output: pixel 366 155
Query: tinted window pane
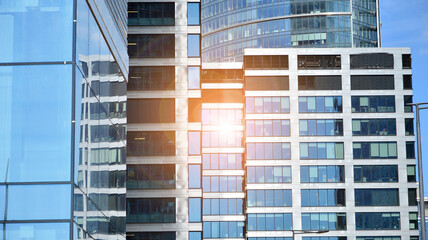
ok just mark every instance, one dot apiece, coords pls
pixel 373 104
pixel 319 62
pixel 320 82
pixel 151 111
pixel 151 78
pixel 155 14
pixel 151 143
pixel 266 83
pixel 194 143
pixel 373 82
pixel 372 61
pixel 194 77
pixel 193 14
pixel 193 45
pixel 150 176
pixel 151 46
pixel 195 210
pixel 376 197
pixel 150 210
pixel 194 176
pixel 38 231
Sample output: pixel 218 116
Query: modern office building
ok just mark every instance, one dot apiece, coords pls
pixel 63 70
pixel 228 27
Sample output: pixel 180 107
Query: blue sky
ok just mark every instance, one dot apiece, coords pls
pixel 405 24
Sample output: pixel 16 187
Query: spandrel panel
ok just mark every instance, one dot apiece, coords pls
pixel 35 124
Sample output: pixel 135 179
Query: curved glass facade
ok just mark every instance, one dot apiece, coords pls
pixel 228 27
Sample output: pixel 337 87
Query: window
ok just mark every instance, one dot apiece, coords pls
pixel 151 46
pixel 270 222
pixel 372 82
pixel 267 128
pixel 320 82
pixel 374 150
pixel 194 111
pixel 193 45
pixel 223 206
pixel 268 174
pixel 193 76
pixel 373 103
pixel 376 197
pixel 380 238
pixel 408 99
pixel 150 235
pixel 374 127
pixel 413 221
pixel 323 197
pixel 221 116
pixel 406 61
pixel 321 127
pixel 151 14
pixel 151 110
pixel 377 220
pixel 151 143
pixel 195 210
pixel 409 128
pixel 222 75
pixel 275 83
pixel 318 62
pixel 150 210
pixel 222 183
pixel 271 238
pixel 412 196
pixel 222 139
pixel 322 174
pixel 372 61
pixel 193 13
pixel 150 176
pixel 411 173
pixel 321 150
pixel 194 176
pixel 375 173
pixel 407 82
pixel 194 143
pixel 320 104
pixel 410 150
pixel 269 198
pixel 223 229
pixel 195 235
pixel 222 161
pixel 151 78
pixel 267 104
pixel 268 151
pixel 324 221
pixel 266 62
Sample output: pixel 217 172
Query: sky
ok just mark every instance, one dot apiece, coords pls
pixel 405 24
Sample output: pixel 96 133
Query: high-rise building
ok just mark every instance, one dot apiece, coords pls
pixel 63 69
pixel 228 27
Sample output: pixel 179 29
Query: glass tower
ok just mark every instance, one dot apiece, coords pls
pixel 228 27
pixel 62 133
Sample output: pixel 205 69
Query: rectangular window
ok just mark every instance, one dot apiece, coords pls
pixel 276 83
pixel 407 82
pixel 406 61
pixel 223 206
pixel 222 95
pixel 380 238
pixel 377 220
pixel 321 127
pixel 375 150
pixel 267 128
pixel 223 229
pixel 151 78
pixel 373 103
pixel 195 209
pixel 409 128
pixel 194 176
pixel 150 235
pixel 318 62
pixel 330 238
pixel 151 14
pixel 372 61
pixel 322 174
pixel 375 173
pixel 194 112
pixel 266 62
pixel 222 75
pixel 151 143
pixel 222 116
pixel 377 197
pixel 270 222
pixel 323 197
pixel 151 110
pixel 268 151
pixel 320 82
pixel 320 104
pixel 150 210
pixel 372 82
pixel 194 77
pixel 192 236
pixel 193 14
pixel 269 174
pixel 194 143
pixel 222 161
pixel 324 221
pixel 150 176
pixel 410 150
pixel 411 173
pixel 151 45
pixel 413 221
pixel 321 150
pixel 374 127
pixel 407 100
pixel 222 183
pixel 412 196
pixel 193 45
pixel 267 104
pixel 269 198
pixel 222 139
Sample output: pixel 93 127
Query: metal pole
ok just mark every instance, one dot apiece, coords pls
pixel 421 176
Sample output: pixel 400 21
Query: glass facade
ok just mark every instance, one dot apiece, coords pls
pixel 62 135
